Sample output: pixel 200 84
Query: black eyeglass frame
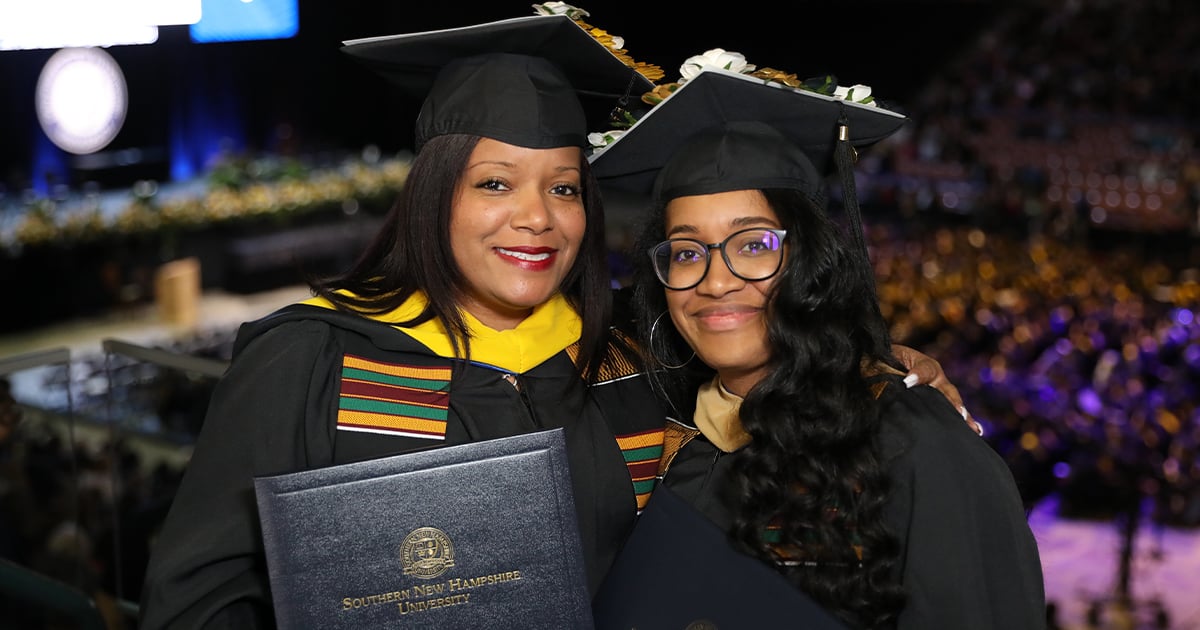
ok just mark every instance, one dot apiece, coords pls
pixel 781 234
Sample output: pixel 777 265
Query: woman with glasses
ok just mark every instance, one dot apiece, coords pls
pixel 796 435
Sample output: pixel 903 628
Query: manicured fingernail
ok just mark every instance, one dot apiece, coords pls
pixel 911 380
pixel 974 423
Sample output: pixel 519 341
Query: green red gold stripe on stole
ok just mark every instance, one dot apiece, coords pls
pixel 393 399
pixel 641 452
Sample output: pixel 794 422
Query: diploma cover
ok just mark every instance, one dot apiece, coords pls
pixel 678 570
pixel 479 535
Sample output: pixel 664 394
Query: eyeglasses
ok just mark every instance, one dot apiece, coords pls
pixel 753 254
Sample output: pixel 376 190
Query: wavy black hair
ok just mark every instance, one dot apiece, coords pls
pixel 412 253
pixel 813 469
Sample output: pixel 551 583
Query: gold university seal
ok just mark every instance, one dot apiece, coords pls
pixel 426 553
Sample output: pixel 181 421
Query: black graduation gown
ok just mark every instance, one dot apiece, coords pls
pixel 277 410
pixel 968 558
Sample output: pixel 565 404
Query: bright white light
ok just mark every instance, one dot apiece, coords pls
pixel 81 99
pixel 33 24
pixel 15 13
pixel 35 36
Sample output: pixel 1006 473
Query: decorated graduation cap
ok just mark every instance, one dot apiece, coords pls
pixel 816 124
pixel 520 81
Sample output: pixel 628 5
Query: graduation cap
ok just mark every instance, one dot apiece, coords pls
pixel 520 80
pixel 809 121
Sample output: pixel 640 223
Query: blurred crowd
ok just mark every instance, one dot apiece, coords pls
pixel 1059 152
pixel 1083 363
pixel 1065 114
pixel 82 516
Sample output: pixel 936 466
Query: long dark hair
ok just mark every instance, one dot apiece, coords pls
pixel 812 472
pixel 412 253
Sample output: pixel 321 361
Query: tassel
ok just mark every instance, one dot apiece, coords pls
pixel 620 116
pixel 844 156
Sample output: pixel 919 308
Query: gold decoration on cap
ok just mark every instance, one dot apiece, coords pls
pixel 614 43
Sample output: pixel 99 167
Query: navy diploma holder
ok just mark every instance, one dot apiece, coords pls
pixel 479 535
pixel 679 572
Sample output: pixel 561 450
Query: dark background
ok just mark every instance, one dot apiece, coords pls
pixel 302 96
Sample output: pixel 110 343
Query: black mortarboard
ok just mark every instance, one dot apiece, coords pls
pixel 808 120
pixel 519 80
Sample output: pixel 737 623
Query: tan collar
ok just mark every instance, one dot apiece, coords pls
pixel 717 416
pixel 718 410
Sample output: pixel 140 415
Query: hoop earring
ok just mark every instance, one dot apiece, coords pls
pixel 653 329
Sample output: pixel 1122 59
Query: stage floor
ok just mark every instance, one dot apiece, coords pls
pixel 1081 563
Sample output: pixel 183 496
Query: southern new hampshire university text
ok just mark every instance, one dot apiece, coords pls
pixel 420 598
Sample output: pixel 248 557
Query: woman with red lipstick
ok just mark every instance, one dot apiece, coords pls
pixel 480 311
pixel 797 437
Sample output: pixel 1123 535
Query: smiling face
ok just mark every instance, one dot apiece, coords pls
pixel 516 227
pixel 723 317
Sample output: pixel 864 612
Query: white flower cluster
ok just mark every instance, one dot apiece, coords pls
pixel 736 62
pixel 560 8
pixel 857 93
pixel 601 139
pixel 715 58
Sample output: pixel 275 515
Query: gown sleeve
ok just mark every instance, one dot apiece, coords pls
pixel 969 559
pixel 269 414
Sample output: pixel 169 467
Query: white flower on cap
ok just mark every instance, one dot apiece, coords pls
pixel 560 8
pixel 857 93
pixel 599 140
pixel 714 58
